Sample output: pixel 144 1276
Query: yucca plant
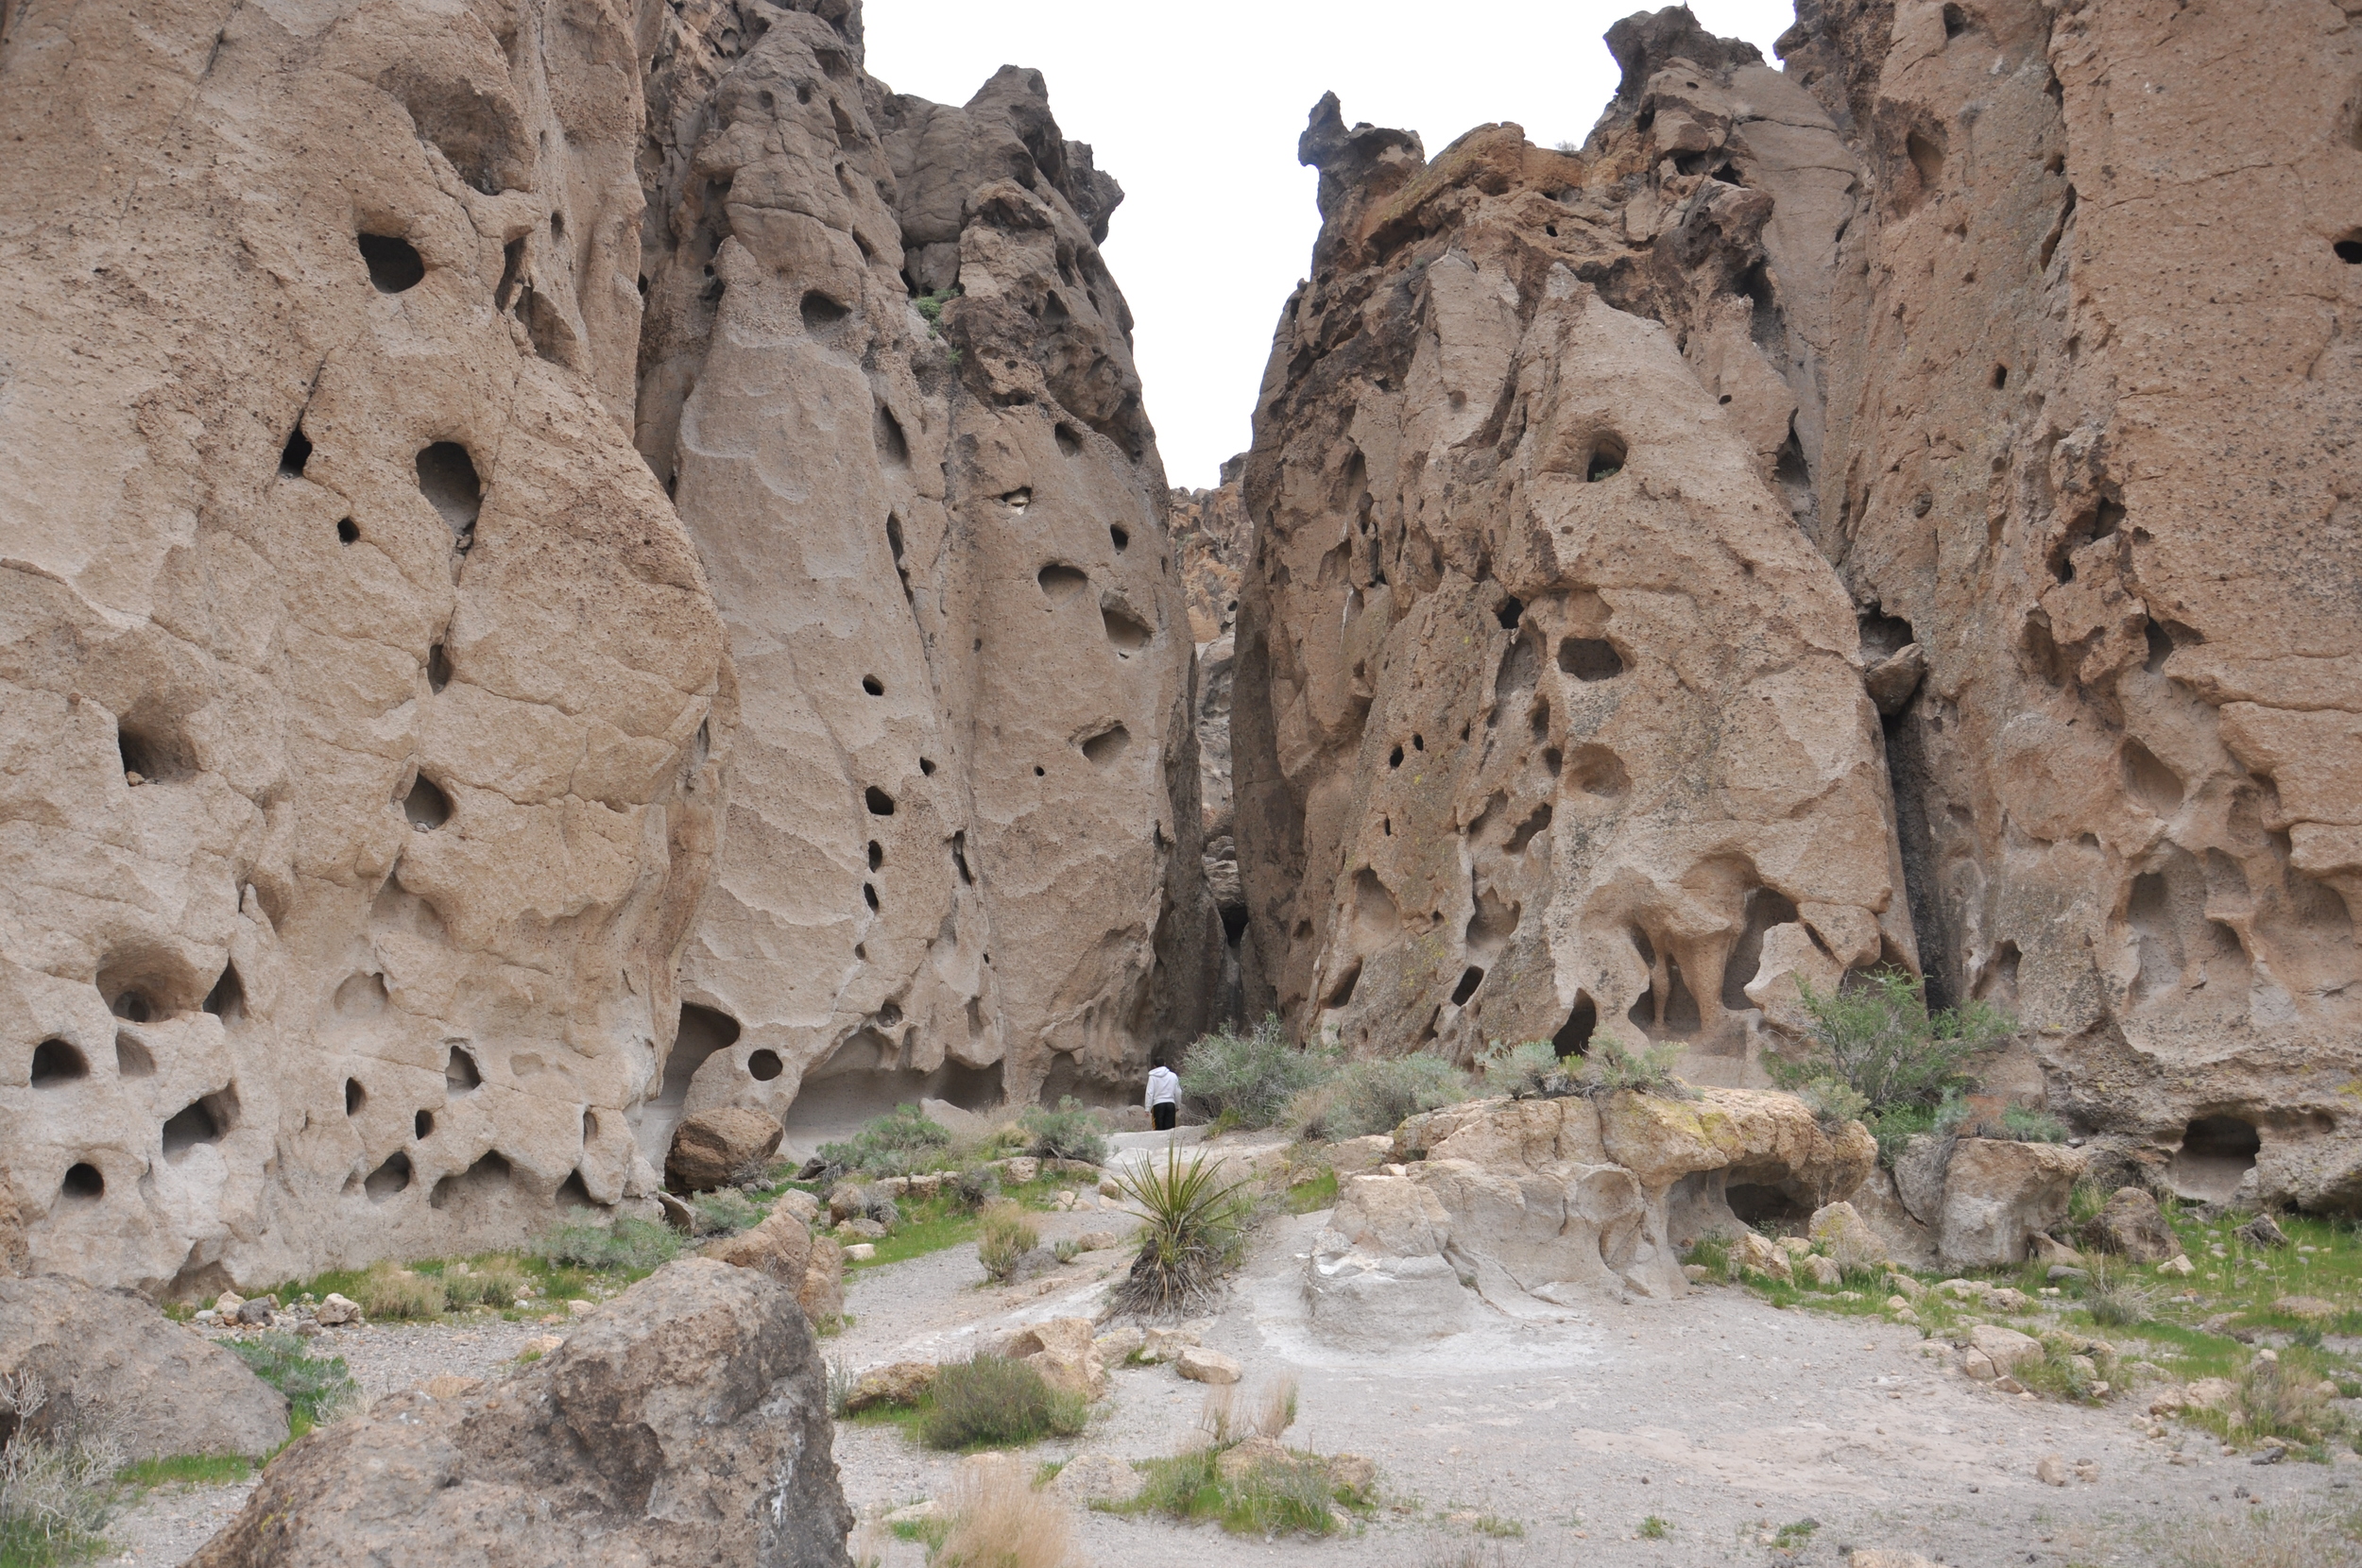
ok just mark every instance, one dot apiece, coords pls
pixel 1192 1231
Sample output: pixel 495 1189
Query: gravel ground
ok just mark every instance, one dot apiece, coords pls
pixel 1719 1414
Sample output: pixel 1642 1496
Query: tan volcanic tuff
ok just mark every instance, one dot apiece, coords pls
pixel 358 675
pixel 962 851
pixel 2047 363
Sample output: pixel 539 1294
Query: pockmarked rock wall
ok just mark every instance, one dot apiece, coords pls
pixel 1548 720
pixel 356 677
pixel 887 378
pixel 1990 359
pixel 451 449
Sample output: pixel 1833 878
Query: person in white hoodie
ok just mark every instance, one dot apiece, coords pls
pixel 1164 1097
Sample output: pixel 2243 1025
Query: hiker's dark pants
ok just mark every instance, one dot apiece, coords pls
pixel 1163 1115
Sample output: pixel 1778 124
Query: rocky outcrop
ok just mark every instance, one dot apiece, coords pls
pixel 358 681
pixel 887 379
pixel 1879 425
pixel 1526 1206
pixel 110 1359
pixel 1211 538
pixel 686 1422
pixel 1548 719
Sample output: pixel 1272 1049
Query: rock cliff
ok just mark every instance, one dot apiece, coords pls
pixel 566 563
pixel 1888 510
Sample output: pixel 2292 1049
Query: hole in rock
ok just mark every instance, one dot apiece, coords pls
pixel 1527 829
pixel 872 684
pixel 1606 461
pixel 959 857
pixel 870 896
pixel 702 1031
pixel 512 267
pixel 2149 781
pixel 489 1175
pixel 1125 630
pixel 361 995
pixel 890 1014
pixel 394 264
pixel 1233 923
pixel 927 766
pixel 355 1096
pixel 1954 22
pixel 1394 757
pixel 389 1178
pixel 1589 658
pixel 132 1059
pixel 158 755
pixel 1061 581
pixel 589 1125
pixel 1765 908
pixel 422 1125
pixel 448 479
pixel 877 854
pixel 296 452
pixel 1118 537
pixel 1927 157
pixel 1342 991
pixel 2216 1152
pixel 204 1119
pixel 2349 249
pixel 1597 771
pixel 574 1193
pixel 348 532
pixel 1470 978
pixel 132 1007
pixel 1019 499
pixel 226 999
pixel 763 1065
pixel 1755 1203
pixel 880 803
pixel 83 1184
pixel 1574 1037
pixel 56 1062
pixel 821 312
pixel 1039 771
pixel 886 430
pixel 2000 376
pixel 1108 744
pixel 1067 441
pixel 460 1073
pixel 426 805
pixel 439 669
pixel 1508 613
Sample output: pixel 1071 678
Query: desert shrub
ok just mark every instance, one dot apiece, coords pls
pixel 725 1211
pixel 495 1282
pixel 992 1402
pixel 1876 1037
pixel 974 1187
pixel 1280 1498
pixel 1376 1096
pixel 317 1387
pixel 2031 1126
pixel 388 1291
pixel 629 1246
pixel 840 1380
pixel 1191 1234
pixel 1247 1080
pixel 1612 1067
pixel 2291 1535
pixel 2113 1301
pixel 1833 1104
pixel 56 1476
pixel 1004 1235
pixel 999 1521
pixel 1070 1133
pixel 897 1144
pixel 1277 1410
pixel 1529 1071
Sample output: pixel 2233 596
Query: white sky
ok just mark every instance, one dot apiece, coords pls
pixel 1196 108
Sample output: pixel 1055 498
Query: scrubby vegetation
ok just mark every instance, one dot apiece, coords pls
pixel 1247 1080
pixel 318 1387
pixel 897 1144
pixel 1534 1070
pixel 1878 1054
pixel 1072 1131
pixel 1003 1238
pixel 1192 1232
pixel 1280 1491
pixel 992 1402
pixel 629 1246
pixel 57 1476
pixel 1374 1096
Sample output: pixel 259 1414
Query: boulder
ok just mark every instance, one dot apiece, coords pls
pixel 2046 1249
pixel 1355 1155
pixel 1994 1352
pixel 1019 1169
pixel 2263 1231
pixel 160 1388
pixel 2131 1223
pixel 1243 1458
pixel 1166 1344
pixel 683 1423
pixel 901 1383
pixel 1353 1474
pixel 1200 1365
pixel 1062 1351
pixel 337 1310
pixel 1821 1271
pixel 1997 1194
pixel 1908 1240
pixel 1088 1478
pixel 1117 1344
pixel 784 1246
pixel 711 1148
pixel 1842 1233
pixel 1755 1252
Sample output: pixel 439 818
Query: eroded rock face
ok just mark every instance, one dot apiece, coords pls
pixel 357 674
pixel 686 1422
pixel 962 852
pixel 1212 539
pixel 1548 719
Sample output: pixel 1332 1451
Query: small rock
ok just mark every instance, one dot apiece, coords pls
pixel 206 1318
pixel 1097 1241
pixel 846 1201
pixel 859 1252
pixel 1244 1459
pixel 2064 1272
pixel 1756 1253
pixel 679 1215
pixel 2051 1470
pixel 1352 1473
pixel 2305 1307
pixel 2181 1265
pixel 862 1230
pixel 577 1306
pixel 1696 1273
pixel 2045 1249
pixel 451 1386
pixel 255 1313
pixel 1118 1344
pixel 802 1205
pixel 1166 1344
pixel 1098 1479
pixel 228 1303
pixel 1903 1284
pixel 1821 1271
pixel 2262 1232
pixel 1846 1238
pixel 1200 1365
pixel 1021 1169
pixel 2004 1349
pixel 1896 1304
pixel 916 1513
pixel 901 1383
pixel 336 1311
pixel 2009 1298
pixel 1794 1246
pixel 541 1344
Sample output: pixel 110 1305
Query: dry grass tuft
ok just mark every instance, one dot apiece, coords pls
pixel 1276 1411
pixel 1004 1235
pixel 388 1291
pixel 2303 1536
pixel 1000 1521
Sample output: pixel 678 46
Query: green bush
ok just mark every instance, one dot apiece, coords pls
pixel 897 1144
pixel 1528 1071
pixel 1192 1232
pixel 1004 1236
pixel 2032 1126
pixel 1376 1096
pixel 56 1479
pixel 1070 1133
pixel 1876 1037
pixel 630 1245
pixel 387 1290
pixel 317 1387
pixel 495 1282
pixel 1247 1080
pixel 1612 1067
pixel 725 1211
pixel 992 1402
pixel 973 1188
